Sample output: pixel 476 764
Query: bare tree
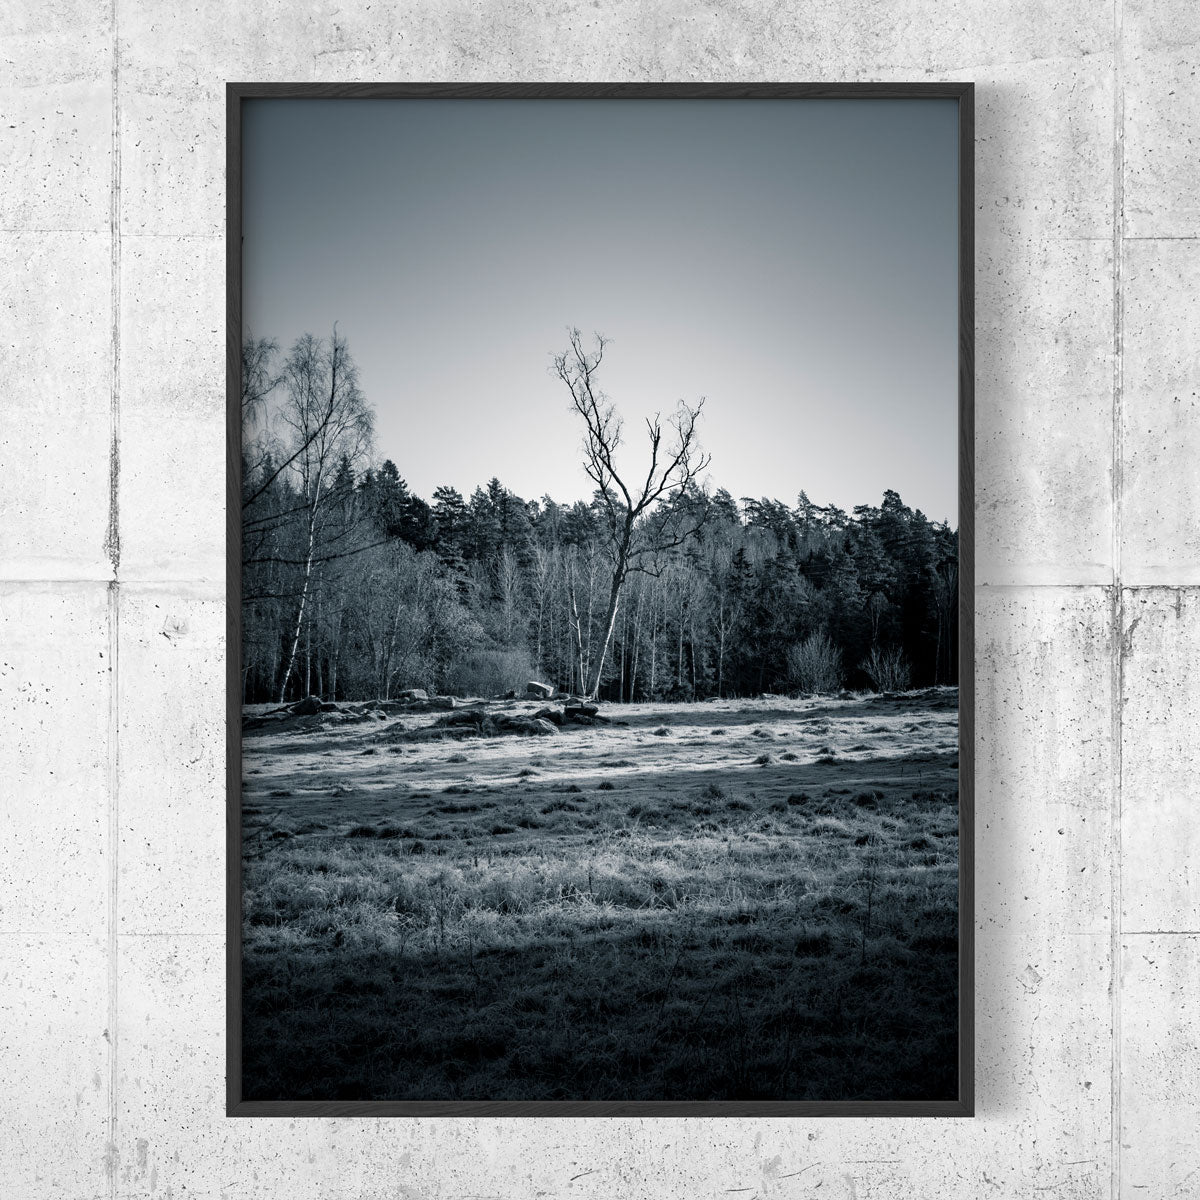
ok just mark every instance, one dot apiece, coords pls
pixel 330 422
pixel 259 378
pixel 637 524
pixel 945 596
pixel 509 592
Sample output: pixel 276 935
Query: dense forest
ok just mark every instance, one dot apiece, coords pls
pixel 355 588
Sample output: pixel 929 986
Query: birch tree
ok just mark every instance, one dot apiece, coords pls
pixel 329 422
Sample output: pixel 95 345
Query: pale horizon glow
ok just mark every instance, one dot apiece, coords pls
pixel 793 262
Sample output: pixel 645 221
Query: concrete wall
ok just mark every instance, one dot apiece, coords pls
pixel 111 599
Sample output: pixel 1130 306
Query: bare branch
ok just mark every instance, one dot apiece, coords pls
pixel 674 474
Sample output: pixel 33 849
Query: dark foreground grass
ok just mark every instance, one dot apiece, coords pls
pixel 703 942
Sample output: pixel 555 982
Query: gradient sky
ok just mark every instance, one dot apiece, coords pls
pixel 794 262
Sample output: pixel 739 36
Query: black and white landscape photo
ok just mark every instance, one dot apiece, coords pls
pixel 599 600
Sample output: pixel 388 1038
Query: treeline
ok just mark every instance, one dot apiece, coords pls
pixel 354 587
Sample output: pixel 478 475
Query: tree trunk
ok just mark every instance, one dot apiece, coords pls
pixel 610 620
pixel 624 646
pixel 308 658
pixel 721 651
pixel 578 664
pixel 637 644
pixel 654 646
pixel 679 654
pixel 291 663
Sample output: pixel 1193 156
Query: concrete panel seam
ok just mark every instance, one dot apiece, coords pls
pixel 1118 627
pixel 1130 933
pixel 112 546
pixel 1051 587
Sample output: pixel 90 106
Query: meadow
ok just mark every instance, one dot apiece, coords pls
pixel 736 899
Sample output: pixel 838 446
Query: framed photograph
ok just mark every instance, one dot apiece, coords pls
pixel 600 599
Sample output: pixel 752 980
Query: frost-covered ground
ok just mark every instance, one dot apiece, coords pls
pixel 734 899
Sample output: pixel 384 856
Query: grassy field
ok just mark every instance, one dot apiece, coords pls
pixel 730 900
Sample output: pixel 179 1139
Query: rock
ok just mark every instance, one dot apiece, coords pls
pixel 581 710
pixel 430 704
pixel 308 707
pixel 329 706
pixel 503 725
pixel 414 694
pixel 538 691
pixel 464 716
pixel 553 715
pixel 473 722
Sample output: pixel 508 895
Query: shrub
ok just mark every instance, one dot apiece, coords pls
pixel 887 669
pixel 815 664
pixel 490 671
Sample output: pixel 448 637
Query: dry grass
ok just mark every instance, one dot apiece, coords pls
pixel 707 928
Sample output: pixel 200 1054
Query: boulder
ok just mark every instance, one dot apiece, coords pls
pixel 580 710
pixel 329 706
pixel 463 716
pixel 308 707
pixel 414 694
pixel 503 725
pixel 538 691
pixel 553 715
pixel 430 704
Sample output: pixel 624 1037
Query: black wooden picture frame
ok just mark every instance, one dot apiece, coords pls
pixel 962 93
